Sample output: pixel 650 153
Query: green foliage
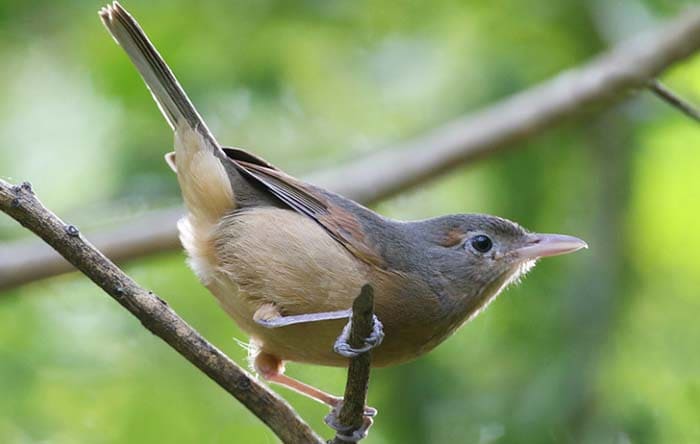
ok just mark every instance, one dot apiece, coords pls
pixel 597 347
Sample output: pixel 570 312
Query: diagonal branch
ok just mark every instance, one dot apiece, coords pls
pixel 21 204
pixel 627 67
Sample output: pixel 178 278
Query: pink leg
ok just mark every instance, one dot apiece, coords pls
pixel 271 369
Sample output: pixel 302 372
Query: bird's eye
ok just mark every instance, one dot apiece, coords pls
pixel 481 243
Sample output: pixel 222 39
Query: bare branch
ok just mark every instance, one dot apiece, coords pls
pixel 674 100
pixel 629 66
pixel 351 416
pixel 21 204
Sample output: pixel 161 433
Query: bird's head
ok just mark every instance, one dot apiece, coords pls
pixel 478 255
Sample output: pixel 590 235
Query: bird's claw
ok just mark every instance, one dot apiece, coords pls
pixel 343 348
pixel 350 433
pixel 336 404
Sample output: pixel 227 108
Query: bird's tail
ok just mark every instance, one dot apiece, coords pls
pixel 167 92
pixel 203 178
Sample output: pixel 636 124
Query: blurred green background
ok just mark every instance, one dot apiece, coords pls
pixel 598 347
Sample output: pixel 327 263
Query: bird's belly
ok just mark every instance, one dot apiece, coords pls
pixel 275 256
pixel 313 342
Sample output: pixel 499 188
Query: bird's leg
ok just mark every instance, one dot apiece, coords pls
pixel 268 316
pixel 271 368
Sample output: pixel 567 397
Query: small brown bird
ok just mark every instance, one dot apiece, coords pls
pixel 286 259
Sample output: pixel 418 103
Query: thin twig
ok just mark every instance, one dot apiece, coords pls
pixel 351 415
pixel 21 204
pixel 674 100
pixel 627 67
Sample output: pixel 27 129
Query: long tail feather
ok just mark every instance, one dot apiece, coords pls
pixel 167 92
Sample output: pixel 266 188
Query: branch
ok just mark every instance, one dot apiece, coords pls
pixel 21 204
pixel 674 100
pixel 351 416
pixel 629 66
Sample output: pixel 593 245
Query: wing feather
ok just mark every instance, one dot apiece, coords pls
pixel 305 199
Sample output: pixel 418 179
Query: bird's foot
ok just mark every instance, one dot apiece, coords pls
pixel 336 403
pixel 350 433
pixel 343 348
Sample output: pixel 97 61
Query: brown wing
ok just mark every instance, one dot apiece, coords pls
pixel 340 223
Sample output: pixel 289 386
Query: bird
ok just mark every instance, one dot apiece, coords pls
pixel 285 259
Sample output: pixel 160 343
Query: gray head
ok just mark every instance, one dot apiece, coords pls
pixel 475 256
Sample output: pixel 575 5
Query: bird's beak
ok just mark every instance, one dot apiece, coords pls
pixel 544 245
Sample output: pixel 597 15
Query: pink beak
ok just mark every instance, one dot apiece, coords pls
pixel 544 245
